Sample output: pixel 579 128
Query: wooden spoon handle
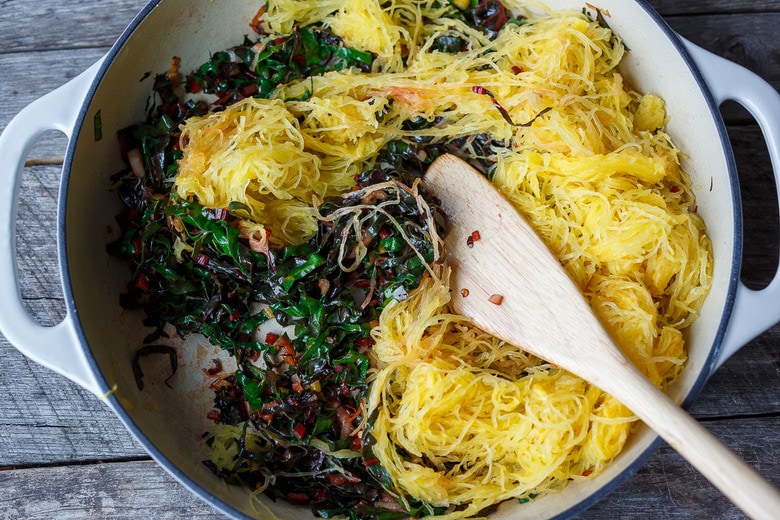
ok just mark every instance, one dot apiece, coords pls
pixel 745 487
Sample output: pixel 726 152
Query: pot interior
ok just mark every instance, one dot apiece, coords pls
pixel 170 420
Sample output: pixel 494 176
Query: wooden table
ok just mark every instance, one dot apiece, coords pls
pixel 64 455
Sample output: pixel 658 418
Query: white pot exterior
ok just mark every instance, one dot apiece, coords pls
pixel 170 422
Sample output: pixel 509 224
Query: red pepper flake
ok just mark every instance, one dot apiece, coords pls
pixel 474 237
pixel 142 282
pixel 214 370
pixel 496 299
pixel 674 189
pixel 372 461
pixel 138 246
pixel 299 430
pixel 464 292
pixel 587 472
pixel 214 415
pixel 517 69
pixel 296 497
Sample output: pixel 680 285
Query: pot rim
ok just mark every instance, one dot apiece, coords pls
pixel 159 456
pixel 110 398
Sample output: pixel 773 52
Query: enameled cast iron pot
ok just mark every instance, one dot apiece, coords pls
pixel 95 343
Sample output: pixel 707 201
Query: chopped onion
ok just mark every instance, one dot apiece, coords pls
pixel 136 161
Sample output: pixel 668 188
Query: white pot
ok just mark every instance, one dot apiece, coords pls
pixel 95 343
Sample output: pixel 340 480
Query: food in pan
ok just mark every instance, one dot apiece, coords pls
pixel 277 187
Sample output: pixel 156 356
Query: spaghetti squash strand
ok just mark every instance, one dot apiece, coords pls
pixel 462 420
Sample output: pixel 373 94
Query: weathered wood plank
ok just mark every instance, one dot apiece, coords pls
pixel 39 278
pixel 738 7
pixel 50 24
pixel 666 487
pixel 28 76
pixel 46 419
pixel 101 25
pixel 761 223
pixel 750 40
pixel 50 422
pixel 735 390
pixel 119 491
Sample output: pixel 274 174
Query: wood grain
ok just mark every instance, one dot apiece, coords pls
pixel 53 435
pixel 746 39
pixel 670 8
pixel 91 491
pixel 63 25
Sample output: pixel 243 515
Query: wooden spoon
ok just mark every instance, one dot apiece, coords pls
pixel 517 290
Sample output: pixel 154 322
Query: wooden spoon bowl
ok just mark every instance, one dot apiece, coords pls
pixel 511 285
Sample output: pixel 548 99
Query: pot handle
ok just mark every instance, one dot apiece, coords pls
pixel 754 311
pixel 57 347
